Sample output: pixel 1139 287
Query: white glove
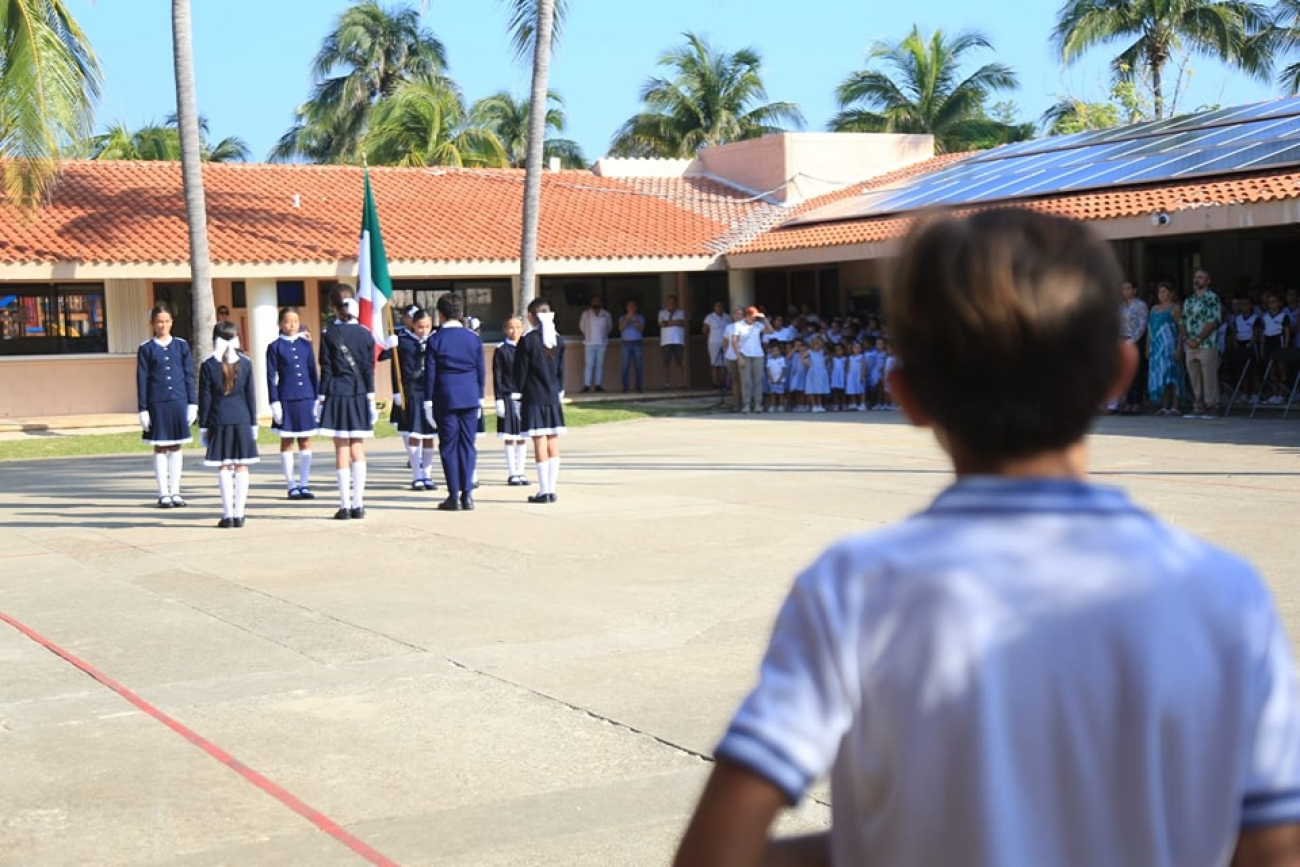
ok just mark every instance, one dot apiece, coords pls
pixel 428 412
pixel 374 412
pixel 315 411
pixel 203 437
pixel 501 408
pixel 514 395
pixel 144 419
pixel 397 399
pixel 391 342
pixel 191 415
pixel 561 394
pixel 277 412
pixel 253 428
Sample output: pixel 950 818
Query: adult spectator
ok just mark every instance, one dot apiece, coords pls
pixel 223 313
pixel 595 325
pixel 748 340
pixel 455 377
pixel 729 354
pixel 672 341
pixel 715 324
pixel 1202 313
pixel 1133 328
pixel 631 330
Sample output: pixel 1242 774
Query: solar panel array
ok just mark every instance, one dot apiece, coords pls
pixel 1242 138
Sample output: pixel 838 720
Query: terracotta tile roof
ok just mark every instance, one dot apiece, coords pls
pixel 133 212
pixel 1137 201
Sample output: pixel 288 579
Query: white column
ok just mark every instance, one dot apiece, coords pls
pixel 126 311
pixel 263 327
pixel 740 288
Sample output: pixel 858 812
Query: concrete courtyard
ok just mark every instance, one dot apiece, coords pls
pixel 519 685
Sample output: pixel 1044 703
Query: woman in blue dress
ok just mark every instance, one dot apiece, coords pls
pixel 1164 372
pixel 164 380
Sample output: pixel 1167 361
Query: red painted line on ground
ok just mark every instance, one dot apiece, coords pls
pixel 311 814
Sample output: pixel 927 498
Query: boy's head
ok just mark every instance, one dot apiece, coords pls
pixel 1029 344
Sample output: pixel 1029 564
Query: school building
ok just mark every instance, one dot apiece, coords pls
pixel 784 221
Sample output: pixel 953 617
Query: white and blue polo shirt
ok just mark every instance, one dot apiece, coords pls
pixel 1030 672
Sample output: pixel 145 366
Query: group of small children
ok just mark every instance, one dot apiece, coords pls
pixel 821 376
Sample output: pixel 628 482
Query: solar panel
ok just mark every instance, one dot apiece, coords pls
pixel 1238 138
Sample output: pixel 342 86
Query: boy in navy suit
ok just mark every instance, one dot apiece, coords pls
pixel 454 379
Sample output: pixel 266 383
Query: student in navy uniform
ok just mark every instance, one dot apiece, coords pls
pixel 417 430
pixel 164 381
pixel 454 379
pixel 539 376
pixel 228 420
pixel 473 323
pixel 507 406
pixel 346 408
pixel 399 416
pixel 293 386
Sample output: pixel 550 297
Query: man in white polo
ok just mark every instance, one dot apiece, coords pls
pixel 672 341
pixel 595 325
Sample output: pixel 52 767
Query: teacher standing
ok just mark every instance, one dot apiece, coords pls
pixel 454 378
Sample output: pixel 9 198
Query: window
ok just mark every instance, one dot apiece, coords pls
pixel 290 293
pixel 52 319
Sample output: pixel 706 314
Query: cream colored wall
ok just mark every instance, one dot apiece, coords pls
pixel 67 385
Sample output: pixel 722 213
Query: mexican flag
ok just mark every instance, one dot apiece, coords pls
pixel 374 288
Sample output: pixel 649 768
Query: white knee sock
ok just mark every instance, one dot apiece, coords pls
pixel 345 482
pixel 241 492
pixel 286 463
pixel 521 458
pixel 427 460
pixel 412 453
pixel 175 462
pixel 417 462
pixel 511 469
pixel 304 467
pixel 358 484
pixel 226 481
pixel 544 477
pixel 160 473
pixel 554 472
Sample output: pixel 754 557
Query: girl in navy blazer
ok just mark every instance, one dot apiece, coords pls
pixel 417 429
pixel 293 386
pixel 539 377
pixel 346 408
pixel 507 406
pixel 164 381
pixel 228 420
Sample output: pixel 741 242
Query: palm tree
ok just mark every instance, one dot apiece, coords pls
pixel 163 142
pixel 925 93
pixel 1285 35
pixel 196 209
pixel 1226 30
pixel 508 118
pixel 369 55
pixel 49 81
pixel 425 123
pixel 713 98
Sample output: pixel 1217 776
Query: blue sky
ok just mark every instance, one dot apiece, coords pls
pixel 252 58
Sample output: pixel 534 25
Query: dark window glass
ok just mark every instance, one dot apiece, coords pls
pixel 289 293
pixel 52 319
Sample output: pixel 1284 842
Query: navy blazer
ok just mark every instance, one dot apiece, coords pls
pixel 503 370
pixel 291 371
pixel 454 372
pixel 218 408
pixel 338 378
pixel 539 378
pixel 412 353
pixel 163 373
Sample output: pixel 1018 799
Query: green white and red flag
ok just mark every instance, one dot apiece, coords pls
pixel 374 287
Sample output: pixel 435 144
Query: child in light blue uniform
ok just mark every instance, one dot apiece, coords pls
pixel 1034 670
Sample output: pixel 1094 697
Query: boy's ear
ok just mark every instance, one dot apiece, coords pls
pixel 1128 363
pixel 901 389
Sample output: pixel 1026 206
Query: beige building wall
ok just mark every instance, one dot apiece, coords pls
pixel 33 386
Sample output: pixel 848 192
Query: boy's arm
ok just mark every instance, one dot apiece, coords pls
pixel 731 823
pixel 1274 846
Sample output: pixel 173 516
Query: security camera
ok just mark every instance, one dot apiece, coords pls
pixel 1160 219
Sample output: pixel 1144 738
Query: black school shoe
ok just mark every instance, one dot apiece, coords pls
pixel 451 504
pixel 542 498
pixel 357 514
pixel 225 523
pixel 178 502
pixel 467 503
pixel 237 522
pixel 342 515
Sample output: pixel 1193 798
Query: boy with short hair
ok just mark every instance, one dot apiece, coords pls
pixel 1033 671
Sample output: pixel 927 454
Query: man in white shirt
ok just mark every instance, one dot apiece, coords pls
pixel 672 340
pixel 715 326
pixel 595 325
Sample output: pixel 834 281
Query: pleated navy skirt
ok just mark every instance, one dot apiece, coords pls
pixel 346 418
pixel 231 444
pixel 167 424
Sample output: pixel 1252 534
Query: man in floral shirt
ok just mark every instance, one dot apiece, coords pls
pixel 1201 316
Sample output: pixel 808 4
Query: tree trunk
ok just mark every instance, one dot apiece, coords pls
pixel 196 211
pixel 533 166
